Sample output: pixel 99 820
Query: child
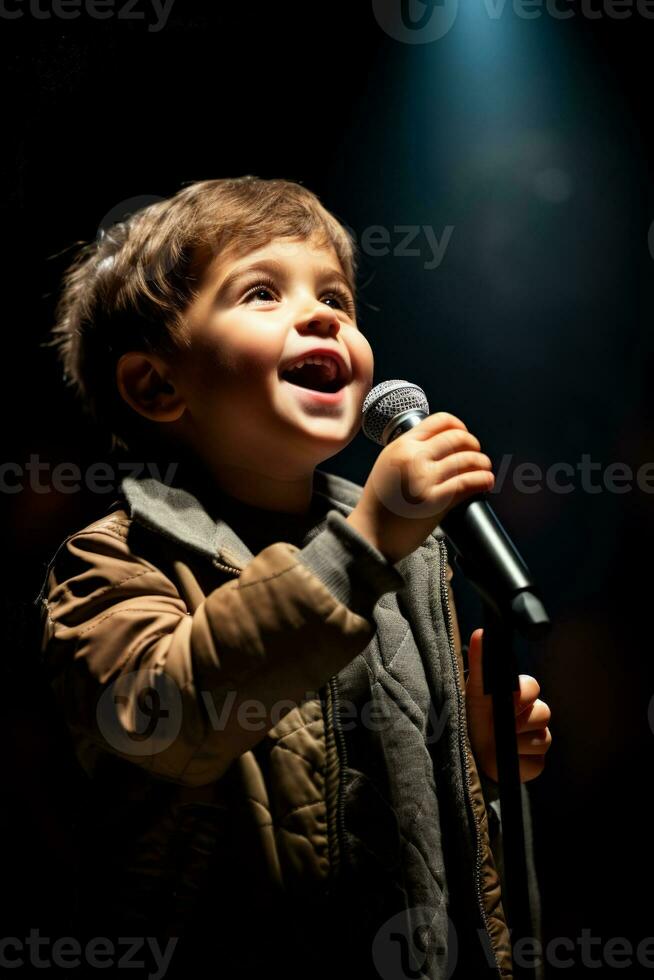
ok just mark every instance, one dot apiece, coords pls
pixel 258 661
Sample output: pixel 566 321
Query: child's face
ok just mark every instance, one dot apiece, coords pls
pixel 253 315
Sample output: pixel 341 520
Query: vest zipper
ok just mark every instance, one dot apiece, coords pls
pixel 333 705
pixel 226 568
pixel 445 599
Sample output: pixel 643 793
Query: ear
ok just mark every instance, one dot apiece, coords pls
pixel 144 382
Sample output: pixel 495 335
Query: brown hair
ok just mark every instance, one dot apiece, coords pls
pixel 128 289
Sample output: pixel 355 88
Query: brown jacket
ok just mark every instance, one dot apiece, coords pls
pixel 204 690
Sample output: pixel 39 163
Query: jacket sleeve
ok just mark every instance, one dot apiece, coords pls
pixel 184 693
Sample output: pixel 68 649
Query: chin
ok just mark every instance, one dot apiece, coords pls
pixel 321 437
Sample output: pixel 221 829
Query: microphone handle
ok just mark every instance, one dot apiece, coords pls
pixel 478 537
pixel 490 560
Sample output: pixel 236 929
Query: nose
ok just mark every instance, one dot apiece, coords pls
pixel 322 320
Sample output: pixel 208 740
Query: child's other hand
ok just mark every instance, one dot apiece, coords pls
pixel 532 718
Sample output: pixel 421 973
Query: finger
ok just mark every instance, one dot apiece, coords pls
pixel 475 681
pixel 539 716
pixel 437 422
pixel 531 767
pixel 459 463
pixel 443 444
pixel 458 488
pixel 534 743
pixel 527 694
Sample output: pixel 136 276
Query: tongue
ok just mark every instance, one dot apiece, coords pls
pixel 311 376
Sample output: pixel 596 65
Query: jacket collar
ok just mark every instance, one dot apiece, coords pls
pixel 177 514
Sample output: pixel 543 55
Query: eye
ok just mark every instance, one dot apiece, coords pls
pixel 265 285
pixel 344 300
pixel 262 286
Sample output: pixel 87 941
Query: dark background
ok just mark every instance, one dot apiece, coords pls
pixel 532 139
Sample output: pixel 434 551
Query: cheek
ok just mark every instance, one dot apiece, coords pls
pixel 221 363
pixel 363 357
pixel 257 354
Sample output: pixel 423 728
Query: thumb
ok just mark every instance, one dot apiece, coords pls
pixel 475 681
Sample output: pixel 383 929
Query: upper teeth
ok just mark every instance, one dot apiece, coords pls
pixel 327 361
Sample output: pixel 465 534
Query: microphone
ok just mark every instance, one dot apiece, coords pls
pixel 484 551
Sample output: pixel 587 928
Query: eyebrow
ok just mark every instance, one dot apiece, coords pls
pixel 274 266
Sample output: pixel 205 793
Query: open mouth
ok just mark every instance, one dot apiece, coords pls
pixel 317 377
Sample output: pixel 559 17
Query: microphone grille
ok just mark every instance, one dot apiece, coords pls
pixel 385 401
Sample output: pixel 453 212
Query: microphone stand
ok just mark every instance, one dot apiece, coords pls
pixel 525 613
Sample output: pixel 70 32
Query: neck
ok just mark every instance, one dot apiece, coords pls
pixel 256 489
pixel 266 492
pixel 282 493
